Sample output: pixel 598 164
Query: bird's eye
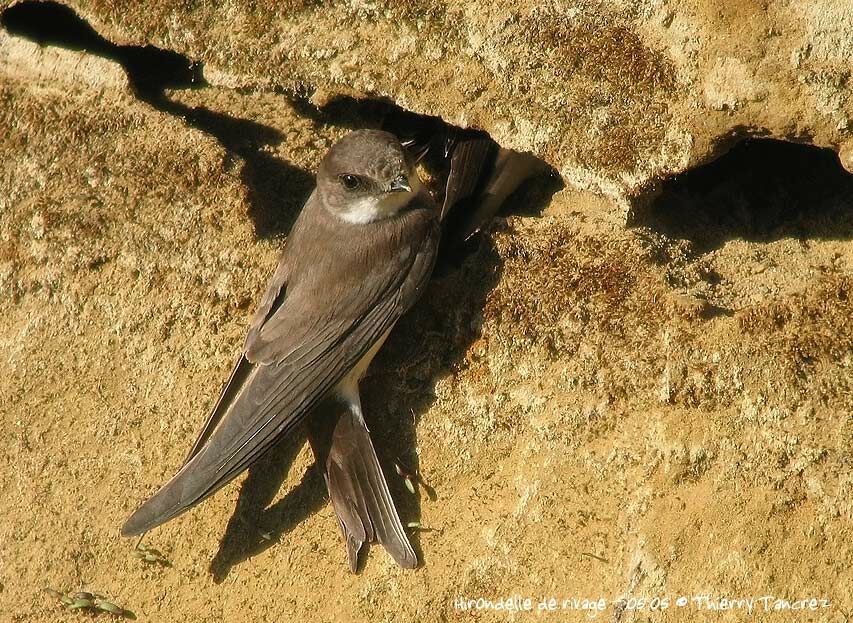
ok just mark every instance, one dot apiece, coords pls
pixel 349 181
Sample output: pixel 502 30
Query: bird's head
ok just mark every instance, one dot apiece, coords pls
pixel 367 176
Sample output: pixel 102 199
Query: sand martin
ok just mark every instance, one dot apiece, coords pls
pixel 358 256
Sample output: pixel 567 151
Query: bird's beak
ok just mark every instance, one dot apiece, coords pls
pixel 400 185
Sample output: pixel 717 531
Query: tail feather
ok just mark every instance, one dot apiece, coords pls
pixel 358 490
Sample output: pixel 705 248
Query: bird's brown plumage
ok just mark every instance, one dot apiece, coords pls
pixel 339 287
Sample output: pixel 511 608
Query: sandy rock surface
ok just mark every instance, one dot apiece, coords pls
pixel 613 94
pixel 605 412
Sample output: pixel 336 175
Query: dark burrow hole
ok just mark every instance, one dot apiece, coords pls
pixel 446 319
pixel 762 190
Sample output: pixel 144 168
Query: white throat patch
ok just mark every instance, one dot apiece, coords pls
pixel 369 209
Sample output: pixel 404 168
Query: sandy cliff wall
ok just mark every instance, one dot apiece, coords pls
pixel 603 411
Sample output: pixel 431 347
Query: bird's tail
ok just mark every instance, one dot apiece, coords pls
pixel 357 487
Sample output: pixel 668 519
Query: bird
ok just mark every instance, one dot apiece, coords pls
pixel 358 256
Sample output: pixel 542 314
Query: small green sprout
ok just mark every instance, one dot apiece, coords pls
pixel 411 478
pixel 84 595
pixel 416 525
pixel 89 601
pixel 81 603
pixel 107 606
pixel 150 555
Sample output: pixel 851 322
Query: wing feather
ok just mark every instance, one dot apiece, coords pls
pixel 470 164
pixel 299 347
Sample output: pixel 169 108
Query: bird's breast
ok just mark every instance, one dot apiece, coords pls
pixel 347 388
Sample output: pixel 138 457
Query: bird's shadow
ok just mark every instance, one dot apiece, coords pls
pixel 276 188
pixel 257 523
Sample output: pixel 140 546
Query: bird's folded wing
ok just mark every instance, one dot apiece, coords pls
pixel 471 161
pixel 270 301
pixel 299 353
